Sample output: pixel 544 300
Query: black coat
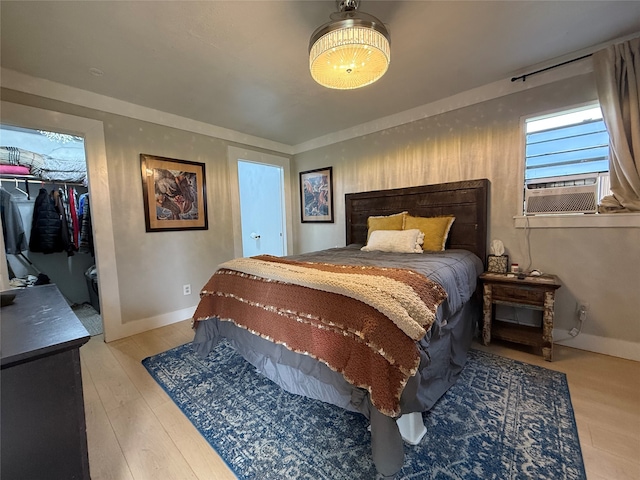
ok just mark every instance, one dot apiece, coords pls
pixel 46 226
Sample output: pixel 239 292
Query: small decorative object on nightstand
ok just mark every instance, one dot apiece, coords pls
pixel 534 292
pixel 497 263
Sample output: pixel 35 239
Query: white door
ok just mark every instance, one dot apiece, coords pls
pixel 261 208
pixel 261 201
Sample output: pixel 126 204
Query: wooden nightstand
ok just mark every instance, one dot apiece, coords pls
pixel 537 293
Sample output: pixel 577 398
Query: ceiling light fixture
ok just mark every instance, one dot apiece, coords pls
pixel 350 51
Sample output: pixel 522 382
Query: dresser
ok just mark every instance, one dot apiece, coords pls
pixel 43 430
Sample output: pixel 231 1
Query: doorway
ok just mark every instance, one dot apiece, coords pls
pixel 96 158
pixel 261 213
pixel 260 202
pixel 45 166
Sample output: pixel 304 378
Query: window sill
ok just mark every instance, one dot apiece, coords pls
pixel 600 220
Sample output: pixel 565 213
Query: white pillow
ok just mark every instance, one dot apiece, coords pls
pixel 397 241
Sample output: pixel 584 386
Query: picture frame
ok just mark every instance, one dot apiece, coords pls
pixel 316 195
pixel 174 194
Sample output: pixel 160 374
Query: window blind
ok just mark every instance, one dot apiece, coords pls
pixel 567 150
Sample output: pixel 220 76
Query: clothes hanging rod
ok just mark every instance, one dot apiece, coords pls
pixel 36 180
pixel 524 77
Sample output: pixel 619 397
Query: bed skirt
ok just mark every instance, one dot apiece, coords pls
pixel 443 353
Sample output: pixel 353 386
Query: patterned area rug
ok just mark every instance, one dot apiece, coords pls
pixel 503 419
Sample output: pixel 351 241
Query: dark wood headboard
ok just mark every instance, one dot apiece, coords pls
pixel 466 200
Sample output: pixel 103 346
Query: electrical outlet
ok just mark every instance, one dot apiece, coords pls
pixel 186 289
pixel 582 307
pixel 581 310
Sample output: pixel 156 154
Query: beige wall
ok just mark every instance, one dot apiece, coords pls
pixel 153 267
pixel 596 265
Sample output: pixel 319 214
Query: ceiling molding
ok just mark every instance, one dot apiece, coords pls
pixel 45 88
pixel 464 99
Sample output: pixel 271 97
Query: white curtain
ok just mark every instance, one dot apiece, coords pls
pixel 617 71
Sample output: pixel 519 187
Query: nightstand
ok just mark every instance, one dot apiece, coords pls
pixel 537 293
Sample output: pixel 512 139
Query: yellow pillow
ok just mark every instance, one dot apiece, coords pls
pixel 387 222
pixel 435 229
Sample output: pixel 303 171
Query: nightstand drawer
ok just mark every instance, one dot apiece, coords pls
pixel 518 294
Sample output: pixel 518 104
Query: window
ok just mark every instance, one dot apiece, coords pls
pixel 567 143
pixel 566 162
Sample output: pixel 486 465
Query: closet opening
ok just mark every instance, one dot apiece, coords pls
pixel 43 176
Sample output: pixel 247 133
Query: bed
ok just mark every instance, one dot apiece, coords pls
pixel 406 321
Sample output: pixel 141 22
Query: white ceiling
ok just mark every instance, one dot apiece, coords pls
pixel 243 65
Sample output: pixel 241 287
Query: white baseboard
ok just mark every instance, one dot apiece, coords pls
pixel 145 324
pixel 593 343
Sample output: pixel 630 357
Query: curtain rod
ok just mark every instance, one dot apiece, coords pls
pixel 524 77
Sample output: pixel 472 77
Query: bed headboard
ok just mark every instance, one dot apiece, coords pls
pixel 466 200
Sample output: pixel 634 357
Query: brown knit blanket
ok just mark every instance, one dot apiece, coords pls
pixel 360 321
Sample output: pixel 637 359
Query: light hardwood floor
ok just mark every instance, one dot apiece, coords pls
pixel 136 432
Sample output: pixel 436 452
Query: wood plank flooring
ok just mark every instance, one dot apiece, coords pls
pixel 135 431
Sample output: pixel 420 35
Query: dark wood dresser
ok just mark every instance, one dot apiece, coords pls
pixel 42 422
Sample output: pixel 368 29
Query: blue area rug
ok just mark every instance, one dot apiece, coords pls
pixel 503 419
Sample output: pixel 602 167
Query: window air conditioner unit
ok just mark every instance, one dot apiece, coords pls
pixel 561 195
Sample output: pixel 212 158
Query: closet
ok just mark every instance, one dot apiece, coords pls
pixel 44 173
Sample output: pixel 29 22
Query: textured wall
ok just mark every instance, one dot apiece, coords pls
pixel 600 265
pixel 152 267
pixel 485 141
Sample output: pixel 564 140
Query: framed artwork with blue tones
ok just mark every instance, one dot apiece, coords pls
pixel 316 195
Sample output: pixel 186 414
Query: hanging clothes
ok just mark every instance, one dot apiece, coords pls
pixel 65 210
pixel 49 228
pixel 75 225
pixel 65 232
pixel 15 240
pixel 86 230
pixel 45 225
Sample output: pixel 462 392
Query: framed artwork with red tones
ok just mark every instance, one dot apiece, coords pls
pixel 174 194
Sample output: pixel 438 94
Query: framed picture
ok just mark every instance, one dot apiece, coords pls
pixel 316 195
pixel 174 194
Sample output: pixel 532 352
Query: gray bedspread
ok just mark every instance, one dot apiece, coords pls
pixel 456 270
pixel 442 351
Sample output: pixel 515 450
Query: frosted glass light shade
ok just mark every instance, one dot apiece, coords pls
pixel 349 58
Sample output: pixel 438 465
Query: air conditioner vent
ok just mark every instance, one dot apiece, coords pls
pixel 581 199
